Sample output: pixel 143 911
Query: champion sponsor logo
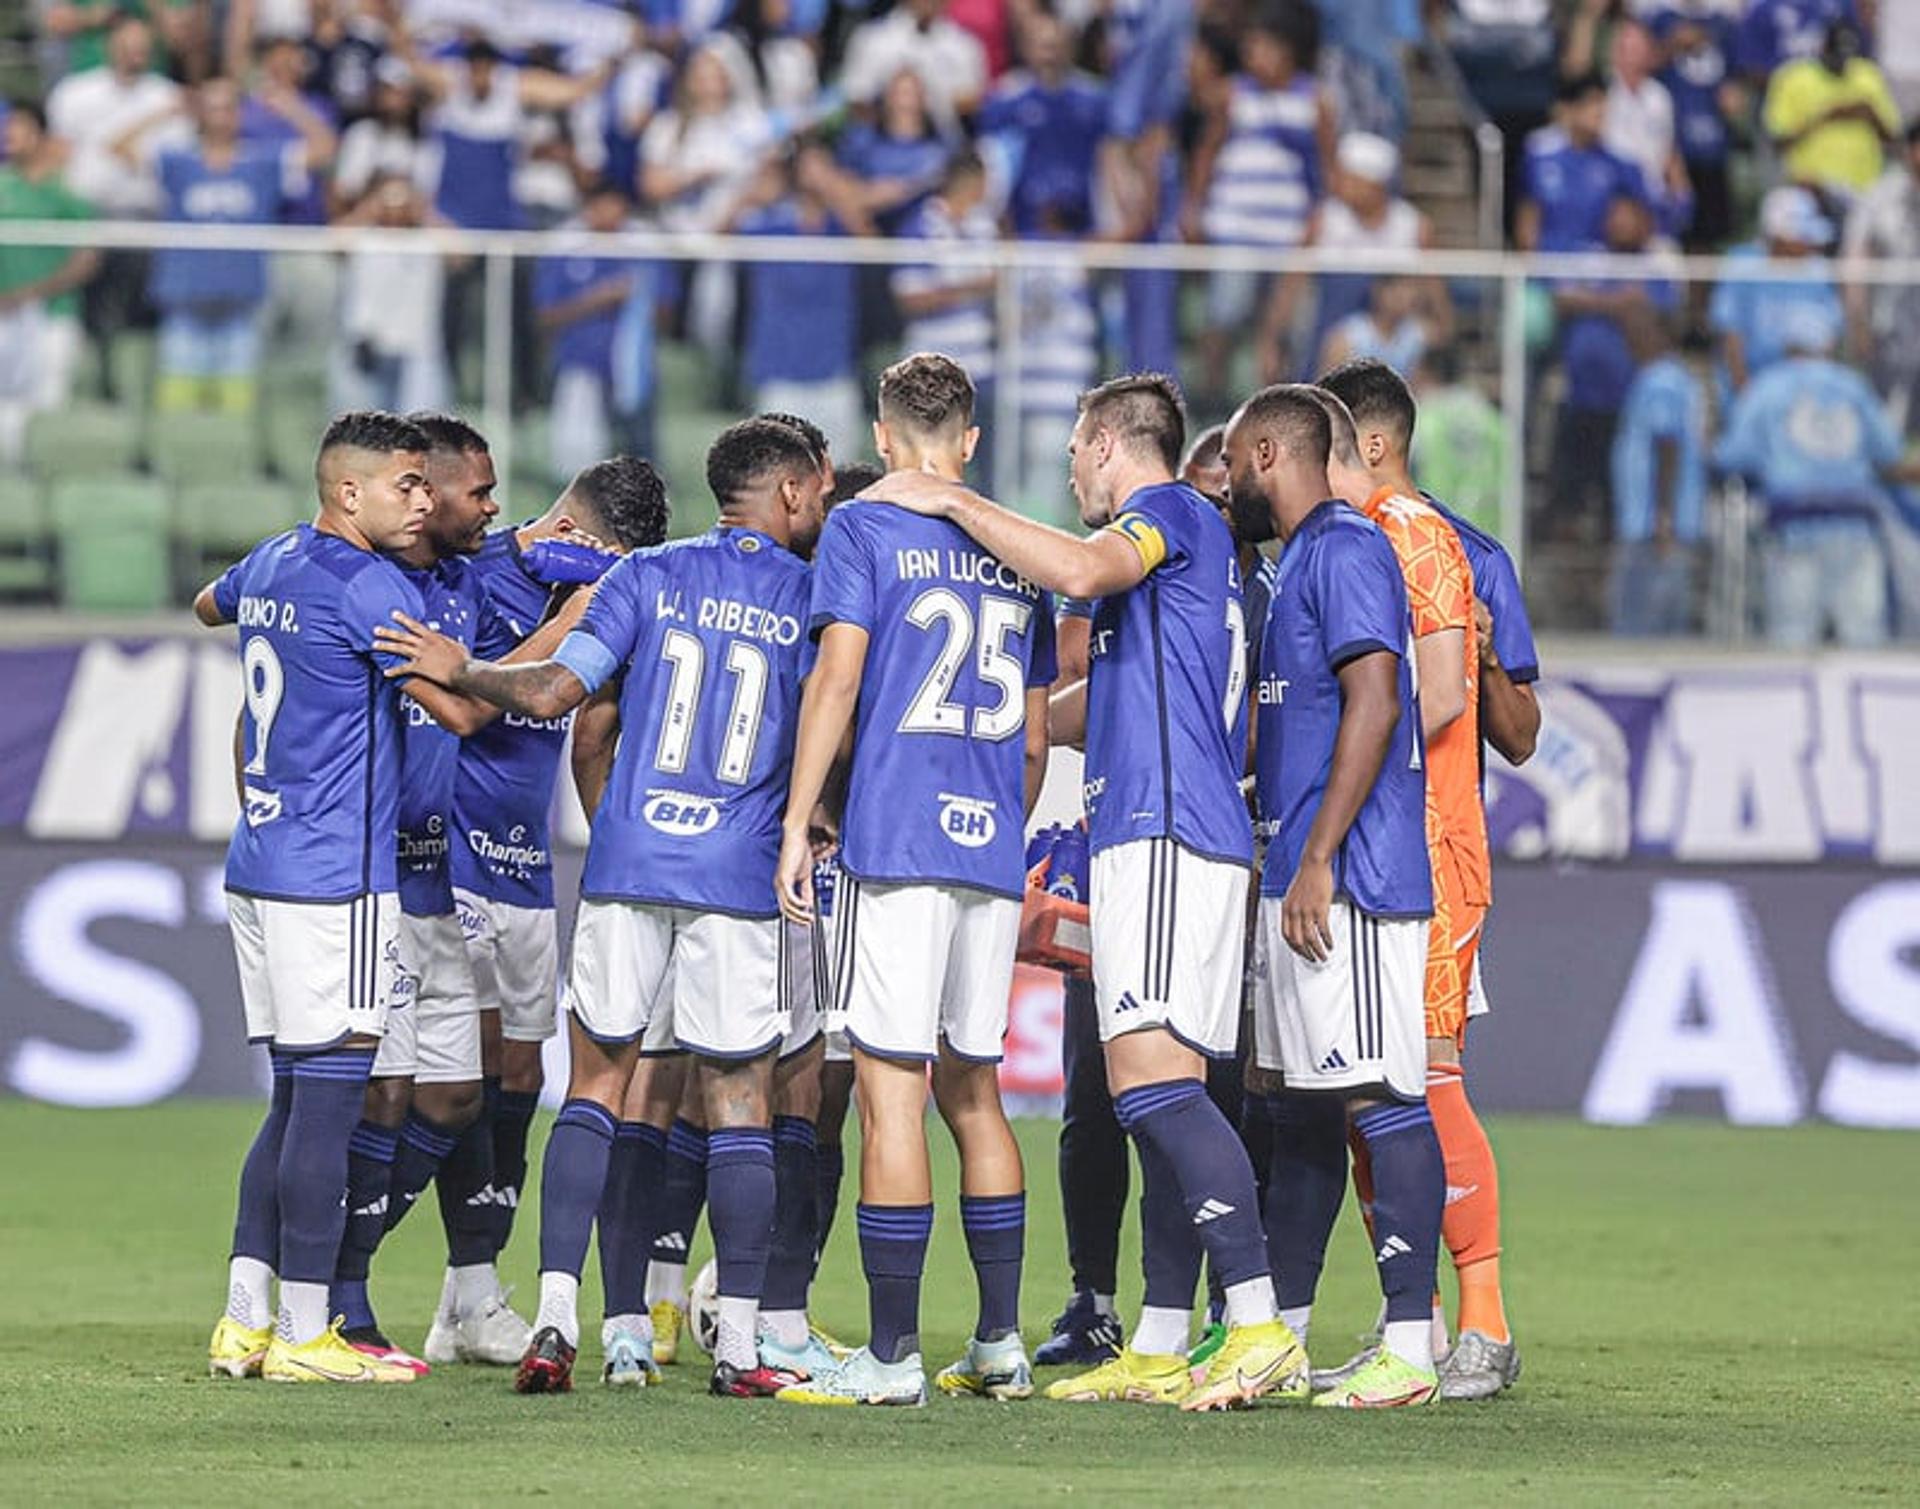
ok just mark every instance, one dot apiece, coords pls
pixel 679 813
pixel 262 807
pixel 512 852
pixel 967 820
pixel 1212 1210
pixel 428 846
pixel 1392 1248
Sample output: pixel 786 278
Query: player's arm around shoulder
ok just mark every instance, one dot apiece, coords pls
pixel 1083 566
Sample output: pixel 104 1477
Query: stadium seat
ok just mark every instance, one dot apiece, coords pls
pixel 111 534
pixel 187 448
pixel 82 440
pixel 681 442
pixel 215 523
pixel 26 556
pixel 130 370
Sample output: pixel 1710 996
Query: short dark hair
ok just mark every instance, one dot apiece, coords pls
pixel 927 391
pixel 852 479
pixel 449 433
pixel 1206 447
pixel 1295 416
pixel 628 500
pixel 1295 25
pixel 33 110
pixel 1343 436
pixel 1579 86
pixel 963 162
pixel 1144 409
pixel 745 453
pixel 374 430
pixel 1376 395
pixel 807 430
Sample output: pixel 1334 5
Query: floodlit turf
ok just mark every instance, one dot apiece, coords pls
pixel 1706 1315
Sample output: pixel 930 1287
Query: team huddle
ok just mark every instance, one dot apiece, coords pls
pixel 809 742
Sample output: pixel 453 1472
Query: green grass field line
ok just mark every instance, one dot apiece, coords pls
pixel 1707 1316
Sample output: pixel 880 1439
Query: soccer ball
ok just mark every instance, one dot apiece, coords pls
pixel 703 1307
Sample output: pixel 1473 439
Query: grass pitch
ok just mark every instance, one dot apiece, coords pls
pixel 1706 1316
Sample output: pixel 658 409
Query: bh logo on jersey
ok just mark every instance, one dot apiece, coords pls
pixel 967 820
pixel 681 815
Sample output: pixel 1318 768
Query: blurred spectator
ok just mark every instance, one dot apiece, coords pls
pixel 1571 178
pixel 803 318
pixel 280 111
pixel 1509 55
pixel 1460 445
pixel 1775 32
pixel 1138 198
pixel 773 68
pixel 1832 115
pixel 386 143
pixel 1813 438
pixel 346 43
pixel 616 117
pixel 1640 122
pixel 1758 320
pixel 1363 42
pixel 250 20
pixel 948 306
pixel 1044 123
pixel 1362 215
pixel 389 353
pixel 993 22
pixel 548 170
pixel 1059 360
pixel 83 28
pixel 1885 226
pixel 581 301
pixel 916 34
pixel 901 157
pixel 1659 469
pixel 1599 368
pixel 93 109
pixel 1896 44
pixel 1258 169
pixel 209 301
pixel 1395 327
pixel 1698 36
pixel 39 306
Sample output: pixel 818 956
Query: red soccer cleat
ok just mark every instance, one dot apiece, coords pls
pixel 756 1382
pixel 547 1367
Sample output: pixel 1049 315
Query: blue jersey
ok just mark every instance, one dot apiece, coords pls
pixel 1665 403
pixel 249 190
pixel 1497 584
pixel 457 605
pixel 1814 436
pixel 712 635
pixel 1338 594
pixel 1573 187
pixel 503 781
pixel 1166 694
pixel 955 639
pixel 1051 135
pixel 322 724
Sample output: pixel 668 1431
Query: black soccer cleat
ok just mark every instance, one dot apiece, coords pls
pixel 756 1382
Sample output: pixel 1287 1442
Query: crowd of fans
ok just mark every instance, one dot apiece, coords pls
pixel 1633 127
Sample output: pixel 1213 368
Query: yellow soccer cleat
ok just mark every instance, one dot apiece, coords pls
pixel 667 1319
pixel 237 1351
pixel 1131 1378
pixel 328 1358
pixel 1253 1362
pixel 1385 1382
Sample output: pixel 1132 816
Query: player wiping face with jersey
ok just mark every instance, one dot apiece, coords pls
pixel 708 635
pixel 939 656
pixel 1165 733
pixel 311 876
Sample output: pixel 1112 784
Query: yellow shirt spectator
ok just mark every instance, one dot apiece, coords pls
pixel 1832 126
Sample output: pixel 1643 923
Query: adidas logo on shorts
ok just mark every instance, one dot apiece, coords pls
pixel 1212 1210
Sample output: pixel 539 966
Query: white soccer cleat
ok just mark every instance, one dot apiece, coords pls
pixel 494 1334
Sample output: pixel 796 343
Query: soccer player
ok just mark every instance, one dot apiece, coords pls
pixel 503 893
pixel 311 878
pixel 940 657
pixel 709 636
pixel 1345 892
pixel 1440 590
pixel 1165 733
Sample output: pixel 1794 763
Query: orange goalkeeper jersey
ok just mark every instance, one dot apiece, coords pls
pixel 1440 594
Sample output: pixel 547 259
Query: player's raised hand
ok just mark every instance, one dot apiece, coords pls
pixel 793 876
pixel 917 492
pixel 1305 909
pixel 421 651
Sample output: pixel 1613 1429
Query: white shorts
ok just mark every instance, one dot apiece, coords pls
pixel 1169 943
pixel 434 1038
pixel 716 982
pixel 515 954
pixel 918 966
pixel 1354 1022
pixel 314 973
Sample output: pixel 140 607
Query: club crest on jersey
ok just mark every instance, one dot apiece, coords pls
pixel 262 807
pixel 680 814
pixel 966 820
